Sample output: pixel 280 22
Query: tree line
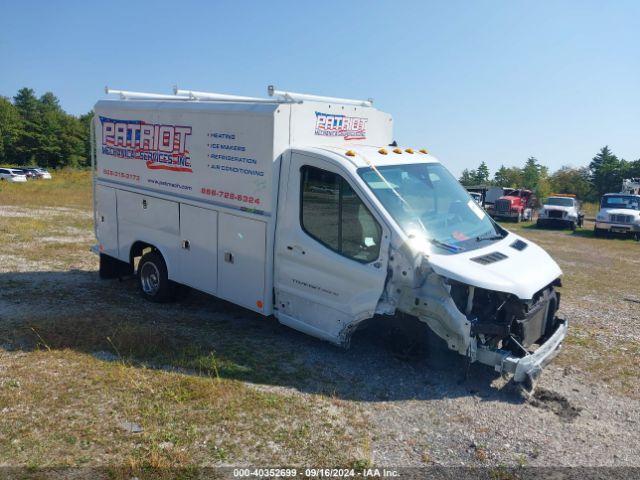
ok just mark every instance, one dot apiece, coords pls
pixel 37 131
pixel 604 174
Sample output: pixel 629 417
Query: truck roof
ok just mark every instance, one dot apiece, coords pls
pixel 375 155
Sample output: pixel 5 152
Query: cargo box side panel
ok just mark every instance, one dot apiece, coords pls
pixel 218 154
pixel 198 261
pixel 316 124
pixel 106 220
pixel 144 218
pixel 241 261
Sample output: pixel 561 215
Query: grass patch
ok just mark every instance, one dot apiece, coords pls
pixel 67 188
pixel 68 407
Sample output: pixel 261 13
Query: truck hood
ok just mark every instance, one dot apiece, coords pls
pixel 557 207
pixel 522 273
pixel 619 211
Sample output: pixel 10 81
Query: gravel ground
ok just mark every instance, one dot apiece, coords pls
pixel 421 410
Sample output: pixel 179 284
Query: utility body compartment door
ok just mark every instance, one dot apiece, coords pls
pixel 152 220
pixel 242 261
pixel 198 257
pixel 331 250
pixel 106 220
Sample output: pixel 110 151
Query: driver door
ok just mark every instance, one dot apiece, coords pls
pixel 331 250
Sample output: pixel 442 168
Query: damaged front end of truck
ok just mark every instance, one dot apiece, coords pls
pixel 513 335
pixel 487 292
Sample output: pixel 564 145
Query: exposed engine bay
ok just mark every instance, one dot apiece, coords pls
pixel 501 320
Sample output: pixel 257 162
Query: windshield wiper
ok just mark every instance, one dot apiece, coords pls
pixel 446 246
pixel 481 238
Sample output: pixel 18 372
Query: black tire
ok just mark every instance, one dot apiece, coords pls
pixel 538 223
pixel 573 226
pixel 597 232
pixel 153 279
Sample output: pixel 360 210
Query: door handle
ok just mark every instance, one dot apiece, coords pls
pixel 296 248
pixel 186 244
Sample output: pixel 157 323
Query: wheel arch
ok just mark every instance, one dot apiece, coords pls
pixel 139 246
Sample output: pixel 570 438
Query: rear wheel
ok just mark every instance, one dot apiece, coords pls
pixel 153 278
pixel 597 232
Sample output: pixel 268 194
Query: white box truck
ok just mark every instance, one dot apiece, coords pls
pixel 302 207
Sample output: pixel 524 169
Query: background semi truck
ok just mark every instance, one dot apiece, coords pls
pixel 302 207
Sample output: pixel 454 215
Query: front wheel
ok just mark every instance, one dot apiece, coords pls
pixel 573 226
pixel 153 278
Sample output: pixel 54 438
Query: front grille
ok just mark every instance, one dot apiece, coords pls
pixel 555 213
pixel 489 258
pixel 620 218
pixel 503 206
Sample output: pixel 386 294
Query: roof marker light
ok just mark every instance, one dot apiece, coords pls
pixel 408 150
pixel 350 153
pixel 383 151
pixel 424 150
pixel 397 150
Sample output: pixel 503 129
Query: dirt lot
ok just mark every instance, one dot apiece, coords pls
pixel 92 376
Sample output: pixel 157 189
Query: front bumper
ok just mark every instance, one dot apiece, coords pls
pixel 506 214
pixel 559 222
pixel 530 365
pixel 618 227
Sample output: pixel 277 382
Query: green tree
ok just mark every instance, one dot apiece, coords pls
pixel 535 177
pixel 508 177
pixel 607 171
pixel 631 169
pixel 85 123
pixel 468 177
pixel 10 130
pixel 52 123
pixel 572 180
pixel 30 140
pixel 482 174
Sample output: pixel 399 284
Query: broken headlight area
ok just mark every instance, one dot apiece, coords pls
pixel 502 321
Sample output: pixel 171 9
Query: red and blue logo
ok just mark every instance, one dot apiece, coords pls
pixel 333 125
pixel 160 146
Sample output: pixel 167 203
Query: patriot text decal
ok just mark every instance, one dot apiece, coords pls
pixel 162 147
pixel 333 125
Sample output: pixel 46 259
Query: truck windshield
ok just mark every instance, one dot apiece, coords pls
pixel 427 201
pixel 559 201
pixel 621 201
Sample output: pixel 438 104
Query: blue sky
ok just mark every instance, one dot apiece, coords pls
pixel 470 81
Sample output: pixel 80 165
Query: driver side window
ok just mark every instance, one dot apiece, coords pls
pixel 333 214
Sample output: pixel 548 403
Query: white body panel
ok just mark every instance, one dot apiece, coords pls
pixel 318 290
pixel 106 220
pixel 242 261
pixel 198 258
